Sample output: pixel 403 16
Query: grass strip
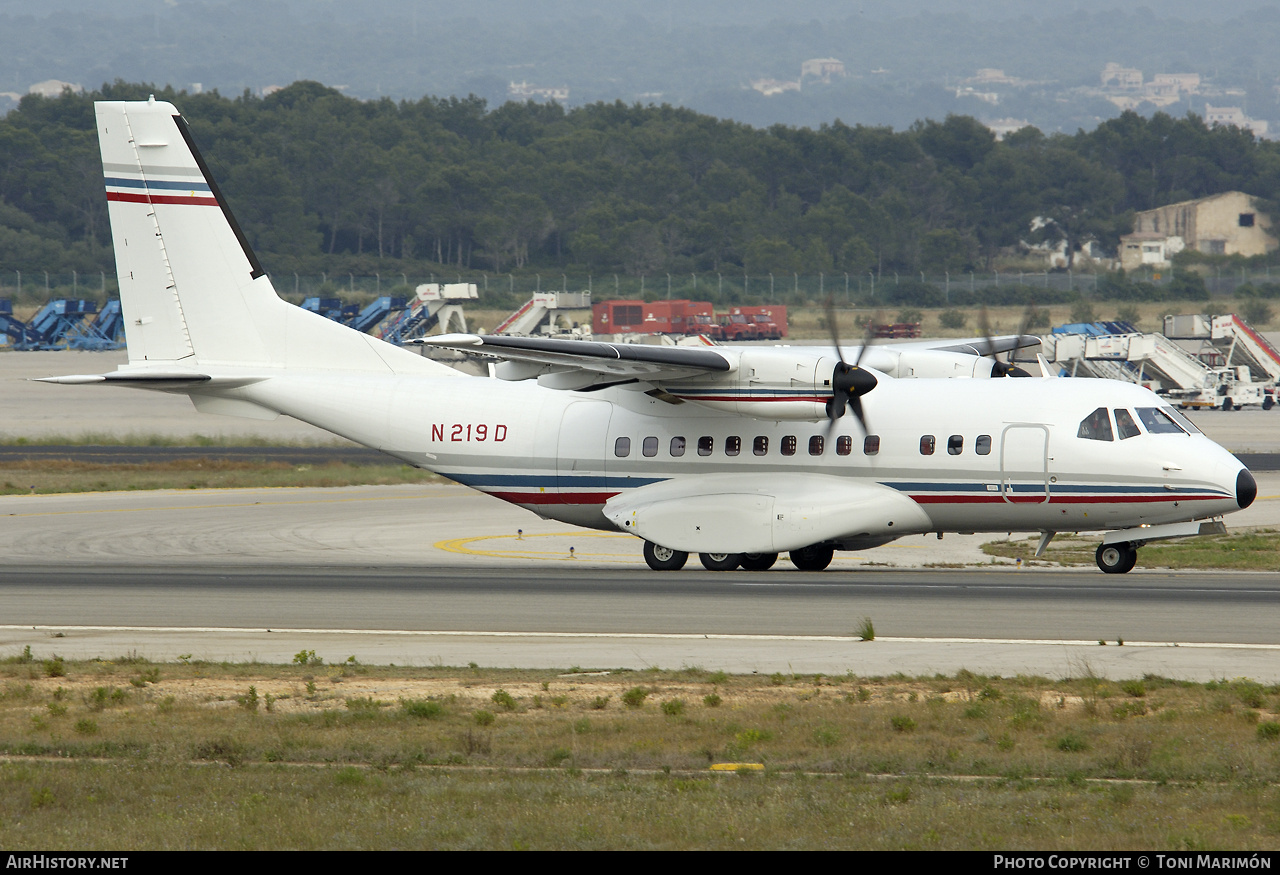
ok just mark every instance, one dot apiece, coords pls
pixel 55 476
pixel 117 754
pixel 1249 550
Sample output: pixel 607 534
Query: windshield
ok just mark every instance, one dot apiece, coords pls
pixel 1157 421
pixel 1187 425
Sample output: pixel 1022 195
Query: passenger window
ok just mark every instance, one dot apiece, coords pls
pixel 927 445
pixel 1096 426
pixel 650 447
pixel 844 445
pixel 1156 421
pixel 1125 424
pixel 817 444
pixel 982 446
pixel 622 447
pixel 789 445
pixel 760 446
pixel 677 446
pixel 871 445
pixel 706 445
pixel 955 444
pixel 732 445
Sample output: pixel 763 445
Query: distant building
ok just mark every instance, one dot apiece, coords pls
pixel 1003 127
pixel 1126 78
pixel 1186 83
pixel 770 87
pixel 822 68
pixel 1221 224
pixel 990 97
pixel 1234 116
pixel 53 87
pixel 525 91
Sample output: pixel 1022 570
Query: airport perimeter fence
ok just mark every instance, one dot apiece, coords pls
pixel 888 289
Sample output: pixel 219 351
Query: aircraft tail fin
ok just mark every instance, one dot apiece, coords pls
pixel 191 289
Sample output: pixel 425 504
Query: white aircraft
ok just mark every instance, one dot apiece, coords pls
pixel 735 454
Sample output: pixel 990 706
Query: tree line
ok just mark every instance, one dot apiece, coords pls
pixel 324 182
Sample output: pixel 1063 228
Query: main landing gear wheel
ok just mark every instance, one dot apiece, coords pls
pixel 812 558
pixel 758 561
pixel 1117 558
pixel 664 558
pixel 720 561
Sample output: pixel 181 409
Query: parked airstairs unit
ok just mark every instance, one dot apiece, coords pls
pixel 64 323
pixel 536 314
pixel 103 333
pixel 434 304
pixel 1211 377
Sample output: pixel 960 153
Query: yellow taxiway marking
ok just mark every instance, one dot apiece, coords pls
pixel 736 767
pixel 463 546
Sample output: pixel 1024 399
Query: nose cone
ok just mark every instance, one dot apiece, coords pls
pixel 1246 488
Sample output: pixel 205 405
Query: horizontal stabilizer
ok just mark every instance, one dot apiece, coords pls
pixel 154 380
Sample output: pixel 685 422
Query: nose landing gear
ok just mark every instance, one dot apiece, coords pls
pixel 1117 558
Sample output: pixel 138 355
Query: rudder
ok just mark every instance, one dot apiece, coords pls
pixel 191 289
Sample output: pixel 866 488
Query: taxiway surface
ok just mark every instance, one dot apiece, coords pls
pixel 441 574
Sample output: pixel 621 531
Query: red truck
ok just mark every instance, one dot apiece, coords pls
pixel 617 317
pixel 704 324
pixel 678 317
pixel 737 326
pixel 770 322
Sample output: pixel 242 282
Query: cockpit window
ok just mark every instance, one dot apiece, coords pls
pixel 1187 425
pixel 1125 424
pixel 1156 421
pixel 1096 426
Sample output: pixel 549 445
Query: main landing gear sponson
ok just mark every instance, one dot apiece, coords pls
pixel 664 558
pixel 1117 558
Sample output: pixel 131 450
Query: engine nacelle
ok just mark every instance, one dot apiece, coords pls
pixel 927 363
pixel 768 383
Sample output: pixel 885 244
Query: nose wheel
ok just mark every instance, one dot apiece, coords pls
pixel 1117 558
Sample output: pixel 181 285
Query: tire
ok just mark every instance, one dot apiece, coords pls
pixel 1117 558
pixel 758 561
pixel 815 557
pixel 720 561
pixel 1226 404
pixel 1268 402
pixel 664 558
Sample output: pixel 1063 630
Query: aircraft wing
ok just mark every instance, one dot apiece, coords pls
pixel 968 346
pixel 979 346
pixel 592 362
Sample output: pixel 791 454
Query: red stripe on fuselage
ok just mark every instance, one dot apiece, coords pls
pixel 131 198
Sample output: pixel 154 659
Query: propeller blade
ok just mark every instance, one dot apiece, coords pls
pixel 848 381
pixel 1006 368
